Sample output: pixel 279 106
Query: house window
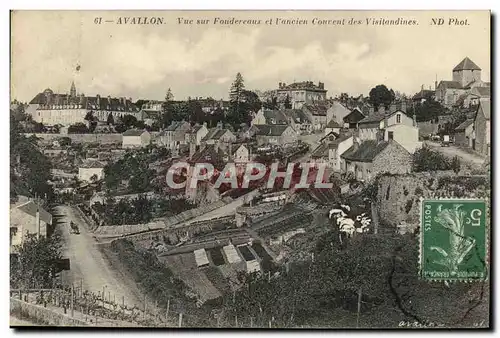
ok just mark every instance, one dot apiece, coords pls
pixel 390 135
pixel 398 118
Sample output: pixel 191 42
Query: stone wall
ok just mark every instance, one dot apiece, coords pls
pixel 81 138
pixel 44 315
pixel 398 196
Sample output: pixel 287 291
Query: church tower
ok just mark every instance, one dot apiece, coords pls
pixel 72 91
pixel 466 72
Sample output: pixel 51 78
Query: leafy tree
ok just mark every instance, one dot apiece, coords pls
pixel 455 164
pixel 426 111
pixel 29 168
pixel 381 95
pixel 271 103
pixel 288 103
pixel 129 121
pixel 425 159
pixel 36 262
pixel 78 128
pixel 110 119
pixel 89 116
pixel 64 141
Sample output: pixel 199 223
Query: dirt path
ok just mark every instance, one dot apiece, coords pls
pixel 88 265
pixel 452 151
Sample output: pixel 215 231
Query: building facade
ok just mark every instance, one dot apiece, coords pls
pixel 136 138
pixel 482 137
pixel 300 93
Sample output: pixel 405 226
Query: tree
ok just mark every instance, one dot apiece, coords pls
pixel 110 119
pixel 167 109
pixel 129 120
pixel 287 103
pixel 381 95
pixel 37 261
pixel 78 128
pixel 425 159
pixel 237 87
pixel 344 98
pixel 426 111
pixel 271 103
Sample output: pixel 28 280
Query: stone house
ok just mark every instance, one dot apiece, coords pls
pixel 317 114
pixel 241 155
pixel 27 217
pixel 91 169
pixel 477 93
pixel 464 133
pixel 331 147
pixel 268 116
pixel 372 127
pixel 368 158
pixel 301 93
pixel 196 134
pixel 220 136
pixel 134 138
pixel 482 136
pixel 175 134
pixel 275 135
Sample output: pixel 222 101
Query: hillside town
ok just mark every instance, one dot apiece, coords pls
pixel 116 245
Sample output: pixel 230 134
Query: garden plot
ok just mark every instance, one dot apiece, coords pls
pixel 185 268
pixel 217 256
pixel 246 253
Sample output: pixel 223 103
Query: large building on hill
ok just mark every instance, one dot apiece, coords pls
pixel 301 93
pixel 466 76
pixel 51 108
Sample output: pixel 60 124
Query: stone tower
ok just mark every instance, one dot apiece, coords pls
pixel 466 72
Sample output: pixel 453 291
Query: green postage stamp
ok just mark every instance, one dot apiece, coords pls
pixel 453 240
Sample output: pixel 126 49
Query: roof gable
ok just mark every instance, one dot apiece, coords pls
pixel 134 132
pixel 464 125
pixel 354 116
pixel 366 151
pixel 271 130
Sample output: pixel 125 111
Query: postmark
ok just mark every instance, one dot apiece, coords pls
pixel 453 240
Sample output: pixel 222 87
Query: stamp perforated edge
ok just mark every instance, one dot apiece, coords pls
pixel 486 240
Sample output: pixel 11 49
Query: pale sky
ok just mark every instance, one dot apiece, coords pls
pixel 142 61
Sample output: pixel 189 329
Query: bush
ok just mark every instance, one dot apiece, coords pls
pixel 426 159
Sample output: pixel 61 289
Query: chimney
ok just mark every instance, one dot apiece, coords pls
pixel 414 119
pixel 422 87
pixel 205 124
pixel 381 109
pixel 392 108
pixel 371 110
pixel 403 105
pixel 230 151
pixel 109 100
pixel 435 85
pixel 355 141
pixel 98 99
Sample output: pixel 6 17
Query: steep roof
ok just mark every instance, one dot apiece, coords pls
pixel 297 115
pixel 270 130
pixel 320 151
pixel 466 64
pixel 450 84
pixel 275 117
pixel 485 107
pixel 133 132
pixel 464 125
pixel 482 91
pixel 333 124
pixel 317 109
pixel 175 125
pixel 207 154
pixel 354 116
pixel 92 164
pixel 215 134
pixel 30 208
pixel 366 151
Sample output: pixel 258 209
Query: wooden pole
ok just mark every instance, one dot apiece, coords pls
pixel 145 306
pixel 251 322
pixel 180 319
pixel 81 287
pixel 236 320
pixel 359 307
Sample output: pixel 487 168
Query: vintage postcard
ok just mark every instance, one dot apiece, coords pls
pixel 250 169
